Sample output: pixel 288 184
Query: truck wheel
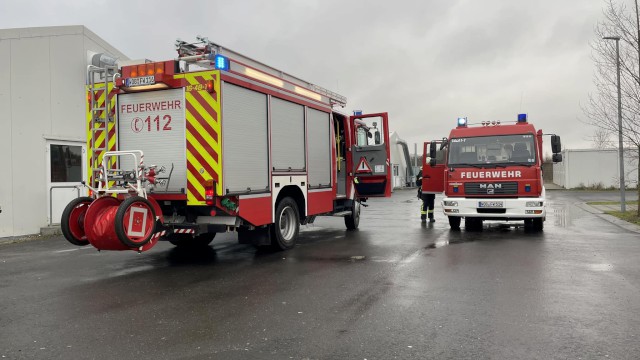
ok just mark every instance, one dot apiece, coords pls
pixel 352 221
pixel 188 241
pixel 472 224
pixel 533 225
pixel 454 222
pixel 537 224
pixel 72 221
pixel 135 221
pixel 284 232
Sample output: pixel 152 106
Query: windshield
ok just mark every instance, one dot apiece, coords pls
pixel 492 150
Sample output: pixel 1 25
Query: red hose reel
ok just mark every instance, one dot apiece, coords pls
pixel 109 223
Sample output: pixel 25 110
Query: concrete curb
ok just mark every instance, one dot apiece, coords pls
pixel 610 218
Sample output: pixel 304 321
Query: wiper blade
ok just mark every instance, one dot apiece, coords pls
pixel 522 163
pixel 479 166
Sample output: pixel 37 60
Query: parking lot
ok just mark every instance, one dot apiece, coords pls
pixel 395 288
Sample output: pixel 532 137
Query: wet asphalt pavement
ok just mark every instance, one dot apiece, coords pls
pixel 394 289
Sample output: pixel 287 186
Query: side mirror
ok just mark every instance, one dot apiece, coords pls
pixel 432 153
pixel 556 146
pixel 556 158
pixel 433 147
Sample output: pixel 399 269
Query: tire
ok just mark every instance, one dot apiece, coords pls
pixel 534 225
pixel 188 241
pixel 537 224
pixel 124 215
pixel 473 224
pixel 352 221
pixel 284 232
pixel 72 221
pixel 454 222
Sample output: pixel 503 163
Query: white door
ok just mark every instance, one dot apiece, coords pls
pixel 66 168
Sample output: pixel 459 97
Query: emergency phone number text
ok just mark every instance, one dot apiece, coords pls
pixel 151 124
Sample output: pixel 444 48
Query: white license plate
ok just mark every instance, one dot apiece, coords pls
pixel 139 81
pixel 490 204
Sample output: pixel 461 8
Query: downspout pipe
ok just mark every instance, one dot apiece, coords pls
pixel 407 157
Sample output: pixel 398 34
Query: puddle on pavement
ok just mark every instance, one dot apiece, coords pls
pixel 561 215
pixel 600 267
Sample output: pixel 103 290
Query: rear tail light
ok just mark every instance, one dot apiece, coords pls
pixel 134 71
pixel 209 192
pixel 160 68
pixel 142 69
pixel 210 87
pixel 150 69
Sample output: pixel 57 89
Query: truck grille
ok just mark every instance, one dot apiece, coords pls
pixel 503 188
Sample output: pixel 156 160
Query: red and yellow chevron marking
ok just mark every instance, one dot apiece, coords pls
pixel 204 145
pixel 99 127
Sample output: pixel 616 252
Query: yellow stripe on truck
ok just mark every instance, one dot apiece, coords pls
pixel 203 135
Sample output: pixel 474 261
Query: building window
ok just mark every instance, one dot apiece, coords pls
pixel 66 163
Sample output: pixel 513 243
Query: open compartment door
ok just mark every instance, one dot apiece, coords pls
pixel 433 166
pixel 370 155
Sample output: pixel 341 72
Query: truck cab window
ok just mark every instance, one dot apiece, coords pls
pixel 369 131
pixel 488 150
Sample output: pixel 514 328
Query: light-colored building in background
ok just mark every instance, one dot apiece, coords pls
pixel 402 171
pixel 593 168
pixel 42 122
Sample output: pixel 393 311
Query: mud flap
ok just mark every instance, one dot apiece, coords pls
pixel 258 237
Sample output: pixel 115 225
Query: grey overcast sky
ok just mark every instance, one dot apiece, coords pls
pixel 426 62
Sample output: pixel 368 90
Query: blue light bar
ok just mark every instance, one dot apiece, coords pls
pixel 462 121
pixel 522 117
pixel 222 62
pixel 357 112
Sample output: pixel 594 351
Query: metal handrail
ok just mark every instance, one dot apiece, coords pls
pixel 51 197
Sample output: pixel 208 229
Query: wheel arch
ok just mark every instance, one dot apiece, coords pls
pixel 296 194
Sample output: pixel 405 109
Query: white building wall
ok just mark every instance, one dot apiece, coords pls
pixel 592 168
pixel 6 142
pixel 42 78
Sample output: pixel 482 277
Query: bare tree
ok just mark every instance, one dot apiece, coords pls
pixel 601 139
pixel 601 110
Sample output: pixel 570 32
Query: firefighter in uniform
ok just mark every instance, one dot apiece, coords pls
pixel 428 201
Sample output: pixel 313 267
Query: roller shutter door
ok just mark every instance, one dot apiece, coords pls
pixel 319 138
pixel 287 135
pixel 245 140
pixel 154 122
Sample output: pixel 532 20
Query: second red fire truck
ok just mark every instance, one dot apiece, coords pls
pixel 489 172
pixel 214 141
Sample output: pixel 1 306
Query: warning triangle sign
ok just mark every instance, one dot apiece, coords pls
pixel 363 166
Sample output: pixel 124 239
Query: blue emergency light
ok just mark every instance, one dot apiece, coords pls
pixel 462 121
pixel 357 112
pixel 222 62
pixel 522 118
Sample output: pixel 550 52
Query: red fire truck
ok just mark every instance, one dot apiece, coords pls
pixel 489 172
pixel 214 141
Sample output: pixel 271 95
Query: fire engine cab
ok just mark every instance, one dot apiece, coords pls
pixel 214 141
pixel 489 172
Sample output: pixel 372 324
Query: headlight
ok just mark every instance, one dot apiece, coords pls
pixel 534 204
pixel 450 203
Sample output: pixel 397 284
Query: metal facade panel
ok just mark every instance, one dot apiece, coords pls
pixel 154 122
pixel 6 144
pixel 319 148
pixel 30 119
pixel 287 135
pixel 245 139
